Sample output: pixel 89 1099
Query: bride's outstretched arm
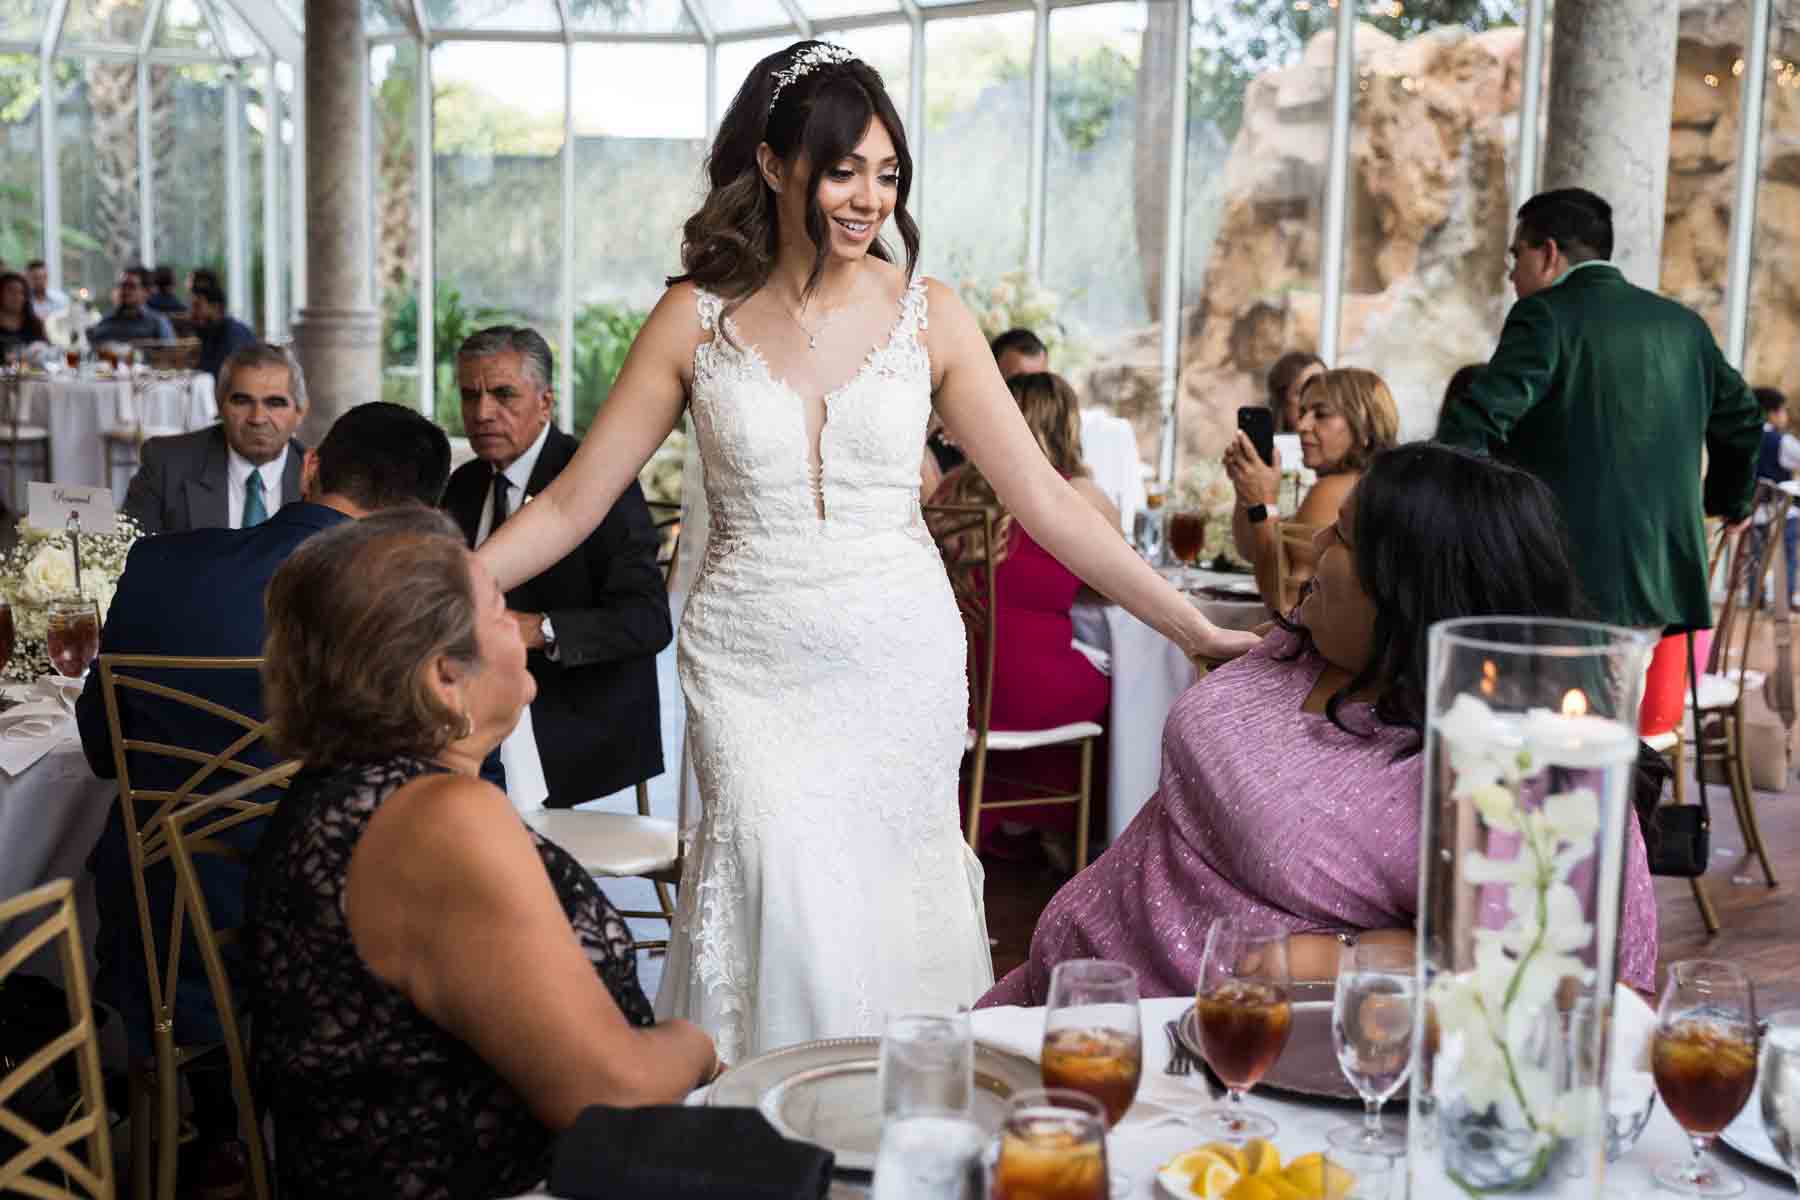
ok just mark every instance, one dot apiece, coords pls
pixel 974 402
pixel 642 407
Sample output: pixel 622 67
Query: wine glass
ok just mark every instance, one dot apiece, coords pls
pixel 1372 1031
pixel 1703 1056
pixel 1781 1086
pixel 1053 1147
pixel 1093 1036
pixel 1185 538
pixel 1244 1017
pixel 72 634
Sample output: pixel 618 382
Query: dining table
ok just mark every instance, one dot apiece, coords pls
pixel 77 408
pixel 1148 672
pixel 1159 1125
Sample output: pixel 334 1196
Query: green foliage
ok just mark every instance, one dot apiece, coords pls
pixel 1087 93
pixel 22 231
pixel 603 333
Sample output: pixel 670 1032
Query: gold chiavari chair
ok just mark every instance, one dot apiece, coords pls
pixel 24 447
pixel 1294 535
pixel 23 1174
pixel 147 814
pixel 194 831
pixel 965 537
pixel 619 845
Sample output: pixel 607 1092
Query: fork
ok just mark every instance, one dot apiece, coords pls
pixel 1180 1061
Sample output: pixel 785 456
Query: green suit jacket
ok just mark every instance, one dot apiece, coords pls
pixel 1608 393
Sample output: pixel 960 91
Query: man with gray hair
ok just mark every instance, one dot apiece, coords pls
pixel 594 622
pixel 237 473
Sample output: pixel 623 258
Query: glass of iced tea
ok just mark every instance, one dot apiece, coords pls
pixel 1704 1058
pixel 1244 1017
pixel 1185 537
pixel 72 634
pixel 1093 1036
pixel 1053 1147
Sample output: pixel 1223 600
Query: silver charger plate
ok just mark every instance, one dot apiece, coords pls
pixel 1749 1138
pixel 1308 1065
pixel 826 1092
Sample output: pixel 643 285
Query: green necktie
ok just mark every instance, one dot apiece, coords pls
pixel 254 512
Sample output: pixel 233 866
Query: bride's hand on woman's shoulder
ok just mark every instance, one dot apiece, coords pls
pixel 1219 646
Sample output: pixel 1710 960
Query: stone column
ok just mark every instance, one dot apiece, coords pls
pixel 1612 84
pixel 337 333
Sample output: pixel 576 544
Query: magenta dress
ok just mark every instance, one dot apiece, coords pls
pixel 1264 810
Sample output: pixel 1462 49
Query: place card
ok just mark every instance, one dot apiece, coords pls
pixel 52 504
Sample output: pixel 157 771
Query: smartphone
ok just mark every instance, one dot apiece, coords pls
pixel 1258 423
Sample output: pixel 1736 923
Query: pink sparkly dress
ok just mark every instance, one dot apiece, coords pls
pixel 1264 810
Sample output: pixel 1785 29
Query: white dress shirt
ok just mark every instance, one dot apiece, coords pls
pixel 237 477
pixel 519 474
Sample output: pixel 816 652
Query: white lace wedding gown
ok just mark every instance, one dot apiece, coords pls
pixel 823 664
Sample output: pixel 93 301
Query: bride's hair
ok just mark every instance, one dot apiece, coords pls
pixel 729 245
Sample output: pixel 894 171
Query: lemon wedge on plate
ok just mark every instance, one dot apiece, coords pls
pixel 1204 1172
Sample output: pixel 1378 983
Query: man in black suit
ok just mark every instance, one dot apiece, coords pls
pixel 200 594
pixel 594 621
pixel 234 474
pixel 221 334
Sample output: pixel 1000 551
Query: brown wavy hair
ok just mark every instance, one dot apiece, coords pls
pixel 729 246
pixel 1052 412
pixel 357 617
pixel 1287 368
pixel 1363 400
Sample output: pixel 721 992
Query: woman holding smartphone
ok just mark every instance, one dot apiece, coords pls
pixel 1347 416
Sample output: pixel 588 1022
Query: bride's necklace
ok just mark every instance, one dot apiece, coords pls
pixel 812 335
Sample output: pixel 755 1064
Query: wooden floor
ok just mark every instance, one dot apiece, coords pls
pixel 1760 925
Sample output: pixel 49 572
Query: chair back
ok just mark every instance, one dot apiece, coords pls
pixel 964 534
pixel 1748 573
pixel 202 770
pixel 1294 535
pixel 58 1148
pixel 194 831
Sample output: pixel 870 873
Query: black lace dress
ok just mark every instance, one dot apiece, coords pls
pixel 369 1097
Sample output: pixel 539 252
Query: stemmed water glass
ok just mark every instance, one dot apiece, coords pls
pixel 1244 1018
pixel 1781 1086
pixel 1094 1038
pixel 72 634
pixel 1703 1056
pixel 1372 1031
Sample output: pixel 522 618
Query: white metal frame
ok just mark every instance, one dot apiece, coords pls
pixel 280 44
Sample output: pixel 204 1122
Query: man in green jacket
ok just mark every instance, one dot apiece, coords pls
pixel 1608 392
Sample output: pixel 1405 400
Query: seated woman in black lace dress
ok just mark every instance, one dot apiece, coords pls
pixel 436 990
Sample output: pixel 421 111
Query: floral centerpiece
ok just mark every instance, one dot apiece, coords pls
pixel 41 567
pixel 1531 738
pixel 1204 487
pixel 1017 301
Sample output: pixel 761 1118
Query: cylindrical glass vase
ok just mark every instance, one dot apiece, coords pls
pixel 1531 737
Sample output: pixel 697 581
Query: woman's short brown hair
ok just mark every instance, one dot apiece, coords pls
pixel 1363 400
pixel 357 617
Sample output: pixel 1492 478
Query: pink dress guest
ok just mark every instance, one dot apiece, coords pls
pixel 1265 811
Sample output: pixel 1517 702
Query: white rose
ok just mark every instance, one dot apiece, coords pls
pixel 102 592
pixel 49 573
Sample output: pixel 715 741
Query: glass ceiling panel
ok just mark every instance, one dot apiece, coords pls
pixel 239 41
pixel 184 27
pixel 631 16
pixel 22 20
pixel 104 22
pixel 825 10
pixel 735 61
pixel 730 15
pixel 379 17
pixel 534 15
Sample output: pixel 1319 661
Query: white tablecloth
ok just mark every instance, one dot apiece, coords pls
pixel 1109 447
pixel 1148 673
pixel 51 814
pixel 1147 1138
pixel 76 411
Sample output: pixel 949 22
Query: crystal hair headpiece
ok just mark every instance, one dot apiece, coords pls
pixel 817 55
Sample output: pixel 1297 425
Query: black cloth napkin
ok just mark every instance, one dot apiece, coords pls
pixel 676 1151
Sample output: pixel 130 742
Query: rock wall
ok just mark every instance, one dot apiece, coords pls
pixel 1433 151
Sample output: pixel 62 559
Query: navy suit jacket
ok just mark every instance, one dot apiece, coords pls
pixel 195 594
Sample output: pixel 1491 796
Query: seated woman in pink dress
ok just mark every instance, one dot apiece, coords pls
pixel 1291 778
pixel 1040 680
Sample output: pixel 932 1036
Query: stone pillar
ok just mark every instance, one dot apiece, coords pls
pixel 1612 84
pixel 337 334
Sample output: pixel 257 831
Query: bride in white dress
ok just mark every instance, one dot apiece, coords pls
pixel 821 653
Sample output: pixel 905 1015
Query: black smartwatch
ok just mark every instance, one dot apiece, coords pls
pixel 1258 513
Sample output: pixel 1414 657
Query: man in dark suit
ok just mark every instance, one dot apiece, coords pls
pixel 1609 393
pixel 221 334
pixel 239 472
pixel 200 594
pixel 594 621
pixel 133 320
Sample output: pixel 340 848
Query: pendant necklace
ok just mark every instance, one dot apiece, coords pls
pixel 812 335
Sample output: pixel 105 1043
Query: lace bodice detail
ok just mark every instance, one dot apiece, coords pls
pixel 369 1096
pixel 758 471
